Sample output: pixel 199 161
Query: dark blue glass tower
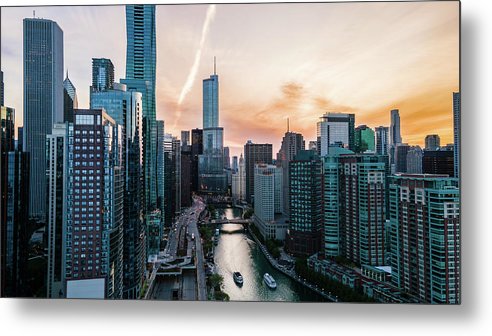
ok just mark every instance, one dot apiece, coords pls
pixel 140 76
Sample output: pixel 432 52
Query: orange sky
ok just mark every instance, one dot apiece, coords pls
pixel 274 61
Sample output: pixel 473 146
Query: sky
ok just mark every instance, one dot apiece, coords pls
pixel 274 61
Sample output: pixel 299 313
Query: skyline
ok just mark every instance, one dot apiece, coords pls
pixel 415 63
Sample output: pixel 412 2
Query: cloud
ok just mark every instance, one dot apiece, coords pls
pixel 194 68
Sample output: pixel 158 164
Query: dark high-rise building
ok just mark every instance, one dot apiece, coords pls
pixel 2 90
pixel 56 179
pixel 394 131
pixel 382 140
pixel 414 160
pixel 16 238
pixel 169 180
pixel 20 137
pixel 185 141
pixel 335 129
pixel 176 157
pixel 254 154
pixel 125 107
pixel 196 151
pixel 13 207
pixel 438 161
pixel 102 74
pixel 457 132
pixel 69 100
pixel 401 151
pixel 235 165
pixel 432 142
pixel 292 144
pixel 212 177
pixel 140 77
pixel 161 168
pixel 185 178
pixel 364 139
pixel 306 204
pixel 425 236
pixel 43 100
pixel 93 252
pixel 227 158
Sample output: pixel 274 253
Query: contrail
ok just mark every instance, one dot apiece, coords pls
pixel 194 68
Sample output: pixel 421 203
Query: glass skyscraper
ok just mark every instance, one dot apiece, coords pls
pixel 457 132
pixel 212 177
pixel 43 100
pixel 140 76
pixel 126 109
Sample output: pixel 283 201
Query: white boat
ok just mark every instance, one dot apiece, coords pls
pixel 238 278
pixel 270 281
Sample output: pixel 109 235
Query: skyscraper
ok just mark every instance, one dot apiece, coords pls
pixel 335 129
pixel 254 154
pixel 439 161
pixel 414 160
pixel 57 177
pixel 382 140
pixel 43 100
pixel 140 77
pixel 432 142
pixel 161 168
pixel 196 151
pixel 364 139
pixel 2 94
pixel 238 187
pixel 234 166
pixel 457 132
pixel 425 236
pixel 269 202
pixel 93 251
pixel 176 157
pixel 185 176
pixel 125 107
pixel 292 144
pixel 212 177
pixel 395 133
pixel 185 140
pixel 306 204
pixel 400 161
pixel 102 74
pixel 362 198
pixel 394 138
pixel 227 158
pixel 69 99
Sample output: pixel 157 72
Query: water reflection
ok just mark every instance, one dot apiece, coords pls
pixel 238 252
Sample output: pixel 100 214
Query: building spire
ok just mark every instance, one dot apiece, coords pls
pixel 215 67
pixel 288 126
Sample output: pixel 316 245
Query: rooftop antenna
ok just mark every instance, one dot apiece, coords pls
pixel 215 67
pixel 288 127
pixel 33 14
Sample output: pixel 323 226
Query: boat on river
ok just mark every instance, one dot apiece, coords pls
pixel 238 278
pixel 270 281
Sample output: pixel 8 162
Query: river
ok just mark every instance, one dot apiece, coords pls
pixel 239 252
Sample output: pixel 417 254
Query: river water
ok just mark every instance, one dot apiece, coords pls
pixel 239 252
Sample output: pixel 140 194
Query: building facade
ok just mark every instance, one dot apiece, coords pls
pixel 335 129
pixel 140 77
pixel 382 140
pixel 238 188
pixel 425 236
pixel 303 237
pixel 93 249
pixel 254 154
pixel 43 100
pixel 292 144
pixel 364 139
pixel 125 108
pixel 457 132
pixel 70 101
pixel 432 142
